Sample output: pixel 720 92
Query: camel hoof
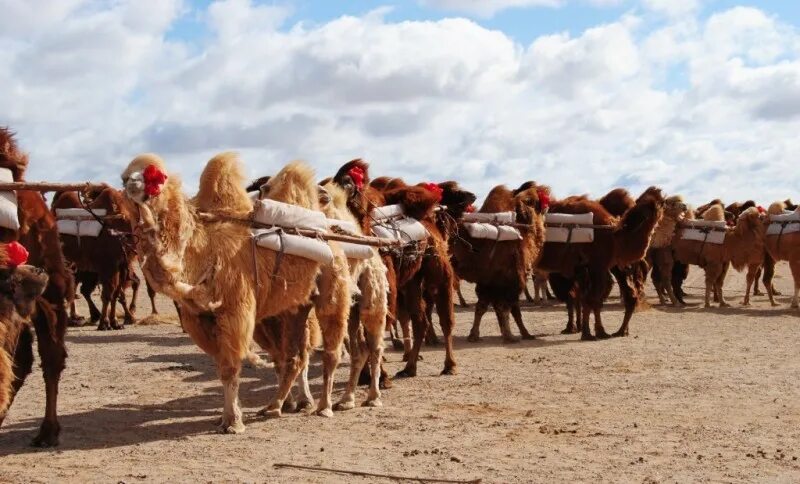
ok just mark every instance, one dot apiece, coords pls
pixel 434 342
pixel 397 344
pixel 603 336
pixel 746 304
pixel 270 412
pixel 45 438
pixel 620 334
pixel 724 305
pixel 374 403
pixel 451 370
pixel 344 405
pixel 325 412
pixel 304 406
pixel 511 339
pixel 588 337
pixel 237 427
pixel 76 321
pixel 528 336
pixel 794 305
pixel 385 382
pixel 406 373
pixel 569 330
pixel 289 406
pixel 102 327
pixel 473 338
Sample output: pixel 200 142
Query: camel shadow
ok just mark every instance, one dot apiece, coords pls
pixel 734 309
pixel 131 423
pixel 121 336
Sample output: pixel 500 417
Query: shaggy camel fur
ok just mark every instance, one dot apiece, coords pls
pixel 767 268
pixel 39 234
pixel 423 272
pixel 660 255
pixel 20 287
pixel 368 314
pixel 499 269
pixel 208 267
pixel 107 259
pixel 743 248
pixel 784 247
pixel 625 244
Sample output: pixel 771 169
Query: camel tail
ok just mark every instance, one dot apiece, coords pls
pixel 254 360
pixel 222 185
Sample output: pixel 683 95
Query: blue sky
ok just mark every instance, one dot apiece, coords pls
pixel 696 96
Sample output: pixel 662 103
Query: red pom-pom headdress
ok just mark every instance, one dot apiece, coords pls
pixel 154 179
pixel 17 254
pixel 356 174
pixel 435 189
pixel 544 200
pixel 470 208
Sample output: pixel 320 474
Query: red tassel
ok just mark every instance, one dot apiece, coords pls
pixel 153 180
pixel 544 200
pixel 470 208
pixel 356 174
pixel 435 189
pixel 17 254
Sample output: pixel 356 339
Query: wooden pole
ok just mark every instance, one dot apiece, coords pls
pixel 51 187
pixel 361 240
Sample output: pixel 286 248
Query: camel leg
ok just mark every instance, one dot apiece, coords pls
pixel 306 400
pixel 405 322
pixel 53 355
pixel 22 365
pixel 375 346
pixel 358 357
pixel 332 336
pixel 87 287
pixel 294 344
pixel 414 304
pixel 503 313
pixel 105 298
pixel 151 293
pixel 752 278
pixel 115 284
pixel 135 285
pixel 516 313
pixel 444 309
pixel 480 309
pixel 231 413
pixel 769 274
pixel 710 278
pixel 795 268
pixel 457 286
pixel 290 404
pixel 628 298
pixel 431 338
pixel 571 327
pixel 585 287
pixel 527 292
pixel 126 308
pixel 756 290
pixel 719 284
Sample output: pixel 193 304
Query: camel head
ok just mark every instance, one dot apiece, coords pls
pixel 456 199
pixel 353 177
pixel 294 184
pixel 530 199
pixel 144 178
pixel 257 185
pixel 675 207
pixel 10 155
pixel 20 284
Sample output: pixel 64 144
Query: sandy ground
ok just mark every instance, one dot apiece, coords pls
pixel 691 395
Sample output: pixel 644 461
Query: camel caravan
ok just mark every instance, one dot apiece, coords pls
pixel 294 265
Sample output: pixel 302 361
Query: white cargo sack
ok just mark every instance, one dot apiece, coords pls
pixel 306 247
pixel 498 218
pixel 271 212
pixel 380 214
pixel 79 221
pixel 580 235
pixel 695 231
pixel 777 223
pixel 356 251
pixel 346 225
pixel 403 229
pixel 500 233
pixel 8 203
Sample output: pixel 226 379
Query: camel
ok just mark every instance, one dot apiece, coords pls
pixel 20 287
pixel 743 247
pixel 499 269
pixel 209 267
pixel 39 235
pixel 784 247
pixel 541 291
pixel 107 259
pixel 623 244
pixel 422 272
pixel 660 254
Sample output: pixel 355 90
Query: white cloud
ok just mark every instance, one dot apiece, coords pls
pixel 672 8
pixel 89 86
pixel 487 8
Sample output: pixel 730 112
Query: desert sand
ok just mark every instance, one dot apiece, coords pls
pixel 693 394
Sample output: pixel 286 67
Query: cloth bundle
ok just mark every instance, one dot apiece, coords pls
pixel 695 231
pixel 390 222
pixel 776 223
pixel 79 221
pixel 8 203
pixel 580 235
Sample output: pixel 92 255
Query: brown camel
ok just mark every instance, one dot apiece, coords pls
pixel 39 235
pixel 784 247
pixel 623 244
pixel 499 269
pixel 660 255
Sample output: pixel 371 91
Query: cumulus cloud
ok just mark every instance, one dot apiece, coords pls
pixel 703 106
pixel 484 8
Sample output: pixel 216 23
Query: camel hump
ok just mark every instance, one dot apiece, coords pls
pixel 294 184
pixel 222 185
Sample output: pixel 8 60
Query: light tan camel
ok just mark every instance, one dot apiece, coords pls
pixel 784 247
pixel 208 267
